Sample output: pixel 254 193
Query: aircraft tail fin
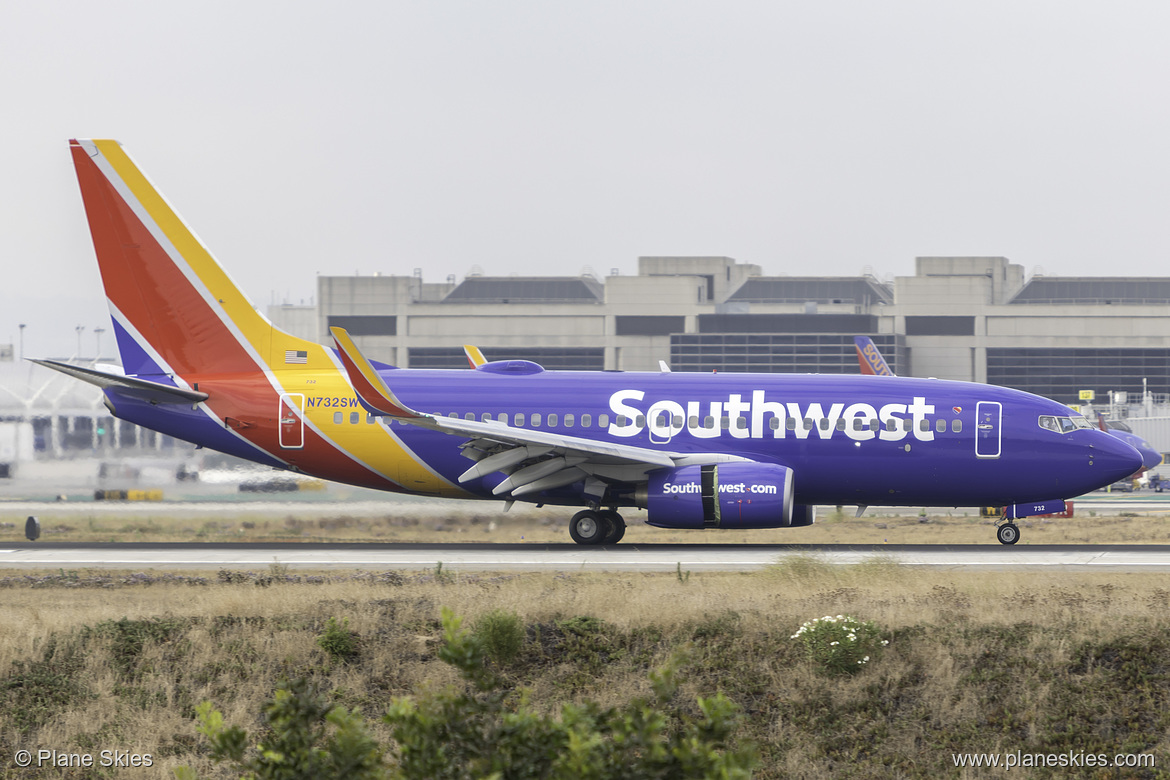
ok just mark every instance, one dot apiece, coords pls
pixel 474 357
pixel 870 357
pixel 175 311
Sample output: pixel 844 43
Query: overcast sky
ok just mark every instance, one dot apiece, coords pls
pixel 544 137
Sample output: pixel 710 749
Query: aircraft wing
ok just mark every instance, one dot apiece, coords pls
pixel 532 460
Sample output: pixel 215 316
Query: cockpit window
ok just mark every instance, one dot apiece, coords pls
pixel 1063 424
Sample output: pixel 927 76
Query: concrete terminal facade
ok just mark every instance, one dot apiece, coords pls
pixel 969 318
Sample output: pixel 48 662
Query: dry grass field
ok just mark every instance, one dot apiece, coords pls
pixel 1038 662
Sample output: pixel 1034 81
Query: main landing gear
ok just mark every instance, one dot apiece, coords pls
pixel 596 526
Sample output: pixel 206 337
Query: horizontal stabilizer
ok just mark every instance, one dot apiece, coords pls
pixel 104 379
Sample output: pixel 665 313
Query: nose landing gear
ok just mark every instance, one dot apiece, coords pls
pixel 1008 533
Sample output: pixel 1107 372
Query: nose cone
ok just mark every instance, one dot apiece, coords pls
pixel 1112 459
pixel 1151 458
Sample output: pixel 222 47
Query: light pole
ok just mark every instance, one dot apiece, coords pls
pixel 22 341
pixel 79 329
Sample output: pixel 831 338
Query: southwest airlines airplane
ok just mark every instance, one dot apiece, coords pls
pixel 200 363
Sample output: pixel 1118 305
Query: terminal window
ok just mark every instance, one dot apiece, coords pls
pixel 1061 373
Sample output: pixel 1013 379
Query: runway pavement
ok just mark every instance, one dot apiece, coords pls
pixel 566 557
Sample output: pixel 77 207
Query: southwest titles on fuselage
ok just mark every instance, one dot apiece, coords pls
pixel 858 417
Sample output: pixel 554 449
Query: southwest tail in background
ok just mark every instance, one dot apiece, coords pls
pixel 870 357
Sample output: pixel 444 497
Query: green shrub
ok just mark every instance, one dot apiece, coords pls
pixel 338 641
pixel 484 731
pixel 305 738
pixel 841 644
pixel 502 635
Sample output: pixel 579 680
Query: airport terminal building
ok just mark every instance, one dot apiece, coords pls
pixel 968 318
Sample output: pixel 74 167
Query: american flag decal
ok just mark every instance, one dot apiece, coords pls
pixel 296 356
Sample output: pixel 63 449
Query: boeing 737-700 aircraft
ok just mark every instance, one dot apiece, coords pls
pixel 200 363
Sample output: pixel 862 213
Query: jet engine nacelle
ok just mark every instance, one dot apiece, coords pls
pixel 722 495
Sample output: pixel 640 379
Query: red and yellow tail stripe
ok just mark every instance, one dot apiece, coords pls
pixel 167 290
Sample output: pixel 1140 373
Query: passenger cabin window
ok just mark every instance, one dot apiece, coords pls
pixel 725 423
pixel 354 417
pixel 774 423
pixel 956 426
pixel 940 426
pixel 502 417
pixel 469 416
pixel 603 421
pixel 790 423
pixel 641 421
pixel 569 420
pixel 586 420
pixel 518 420
pixel 552 420
pixel 485 417
pixel 337 418
pixel 536 419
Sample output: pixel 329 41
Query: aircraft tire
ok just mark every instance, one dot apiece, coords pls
pixel 588 527
pixel 1008 533
pixel 616 527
